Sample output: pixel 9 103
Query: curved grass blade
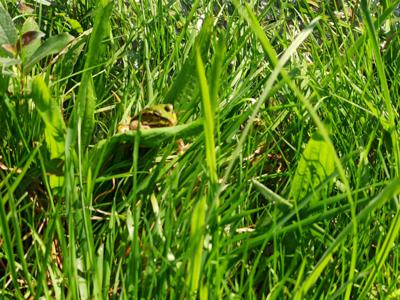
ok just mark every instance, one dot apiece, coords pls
pixel 9 235
pixel 384 85
pixel 249 16
pixel 186 85
pixel 197 229
pixel 383 253
pixel 390 191
pixel 82 119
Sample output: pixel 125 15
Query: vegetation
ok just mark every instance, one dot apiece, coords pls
pixel 286 179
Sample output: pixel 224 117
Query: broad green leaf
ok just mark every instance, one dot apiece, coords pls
pixel 54 131
pixel 52 45
pixel 8 32
pixel 50 112
pixel 30 39
pixel 315 166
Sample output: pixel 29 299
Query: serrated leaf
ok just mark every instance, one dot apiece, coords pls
pixel 8 32
pixel 315 166
pixel 52 45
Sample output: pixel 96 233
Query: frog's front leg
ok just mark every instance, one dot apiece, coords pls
pixel 135 125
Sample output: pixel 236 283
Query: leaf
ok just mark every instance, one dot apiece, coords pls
pixel 54 131
pixel 10 49
pixel 52 45
pixel 8 32
pixel 315 166
pixel 209 125
pixel 75 25
pixel 29 40
pixel 148 138
pixel 68 57
pixel 6 63
pixel 4 81
pixel 50 112
pixel 29 37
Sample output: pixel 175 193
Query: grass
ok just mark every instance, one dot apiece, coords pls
pixel 289 185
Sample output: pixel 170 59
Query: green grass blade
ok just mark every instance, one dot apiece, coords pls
pixel 50 112
pixel 16 233
pixel 390 191
pixel 83 115
pixel 384 84
pixel 185 86
pixel 197 230
pixel 383 253
pixel 208 120
pixel 254 24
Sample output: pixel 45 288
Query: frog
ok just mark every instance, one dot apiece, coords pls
pixel 155 116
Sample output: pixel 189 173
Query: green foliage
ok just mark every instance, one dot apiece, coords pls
pixel 83 116
pixel 50 46
pixel 315 167
pixel 249 196
pixel 8 32
pixel 50 113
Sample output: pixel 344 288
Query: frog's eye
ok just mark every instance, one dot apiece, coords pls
pixel 168 108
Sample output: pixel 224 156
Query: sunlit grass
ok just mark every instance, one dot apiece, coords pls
pixel 286 185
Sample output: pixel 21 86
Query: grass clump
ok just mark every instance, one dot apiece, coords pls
pixel 280 180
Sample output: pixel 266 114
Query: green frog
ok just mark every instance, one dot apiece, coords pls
pixel 155 116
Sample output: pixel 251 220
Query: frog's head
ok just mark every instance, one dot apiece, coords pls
pixel 159 115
